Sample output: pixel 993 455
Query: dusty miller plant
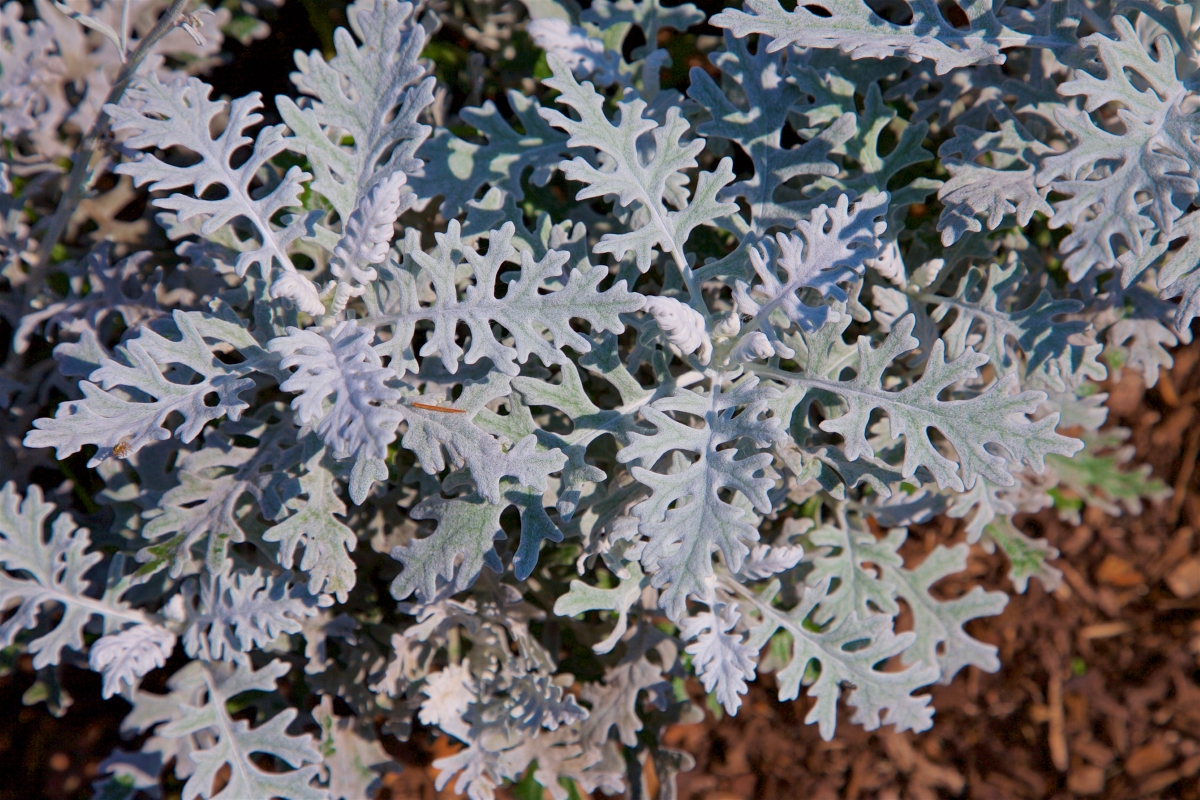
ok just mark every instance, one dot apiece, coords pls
pixel 505 418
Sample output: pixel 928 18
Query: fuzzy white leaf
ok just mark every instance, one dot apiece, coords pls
pixel 853 27
pixel 994 417
pixel 683 326
pixel 765 561
pixel 341 362
pixel 56 568
pixel 232 615
pixel 124 657
pixel 525 310
pixel 231 743
pixel 373 93
pixel 316 526
pixel 831 248
pixel 369 232
pixel 628 177
pixel 722 660
pixel 111 419
pixel 577 50
pixel 684 535
pixel 180 114
pixel 847 653
pixel 1129 183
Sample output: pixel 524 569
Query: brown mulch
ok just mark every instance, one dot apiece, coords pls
pixel 1098 694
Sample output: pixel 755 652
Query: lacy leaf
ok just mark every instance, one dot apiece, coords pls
pixel 1105 175
pixel 463 542
pixel 1006 185
pixel 987 305
pixel 457 169
pixel 756 124
pixel 180 114
pixel 366 237
pixel 994 417
pixel 316 526
pixel 830 249
pixel 630 177
pixel 57 570
pixel 722 660
pixel 233 614
pixel 525 310
pixel 854 28
pixel 372 93
pixel 847 652
pixel 206 502
pixel 362 419
pixel 231 743
pixel 683 537
pixel 151 365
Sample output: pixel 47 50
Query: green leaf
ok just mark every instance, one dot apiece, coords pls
pixel 1026 557
pixel 1103 481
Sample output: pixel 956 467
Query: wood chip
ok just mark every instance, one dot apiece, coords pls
pixel 1173 429
pixel 1109 601
pixel 1166 388
pixel 1125 397
pixel 1186 470
pixel 1116 571
pixel 1159 781
pixel 1184 580
pixel 1080 539
pixel 1105 630
pixel 1086 780
pixel 1186 359
pixel 1078 582
pixel 1179 549
pixel 1056 733
pixel 1093 751
pixel 1149 758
